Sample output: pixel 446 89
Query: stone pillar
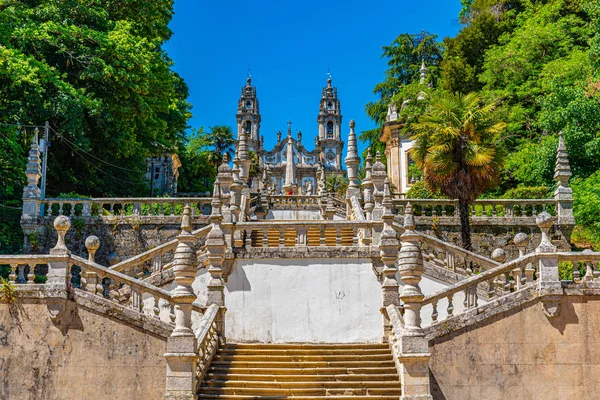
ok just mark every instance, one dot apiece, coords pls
pixel 378 175
pixel 549 285
pixel 215 249
pixel 388 249
pixel 182 348
pixel 244 156
pixel 352 161
pixel 563 195
pixel 290 168
pixel 31 192
pixel 367 185
pixel 225 180
pixel 412 344
pixel 92 244
pixel 58 270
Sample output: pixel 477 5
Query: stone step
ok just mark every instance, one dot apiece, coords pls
pixel 224 369
pixel 303 358
pixel 271 384
pixel 306 346
pixel 337 397
pixel 303 364
pixel 301 352
pixel 377 377
pixel 302 391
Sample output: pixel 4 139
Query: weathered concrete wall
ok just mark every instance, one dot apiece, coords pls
pixel 522 355
pixel 82 356
pixel 303 300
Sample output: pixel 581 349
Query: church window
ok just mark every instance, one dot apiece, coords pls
pixel 330 106
pixel 248 104
pixel 248 126
pixel 330 130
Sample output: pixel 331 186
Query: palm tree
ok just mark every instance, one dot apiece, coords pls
pixel 221 139
pixel 456 147
pixel 336 184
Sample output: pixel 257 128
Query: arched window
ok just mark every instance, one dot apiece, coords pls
pixel 330 106
pixel 248 104
pixel 330 130
pixel 248 127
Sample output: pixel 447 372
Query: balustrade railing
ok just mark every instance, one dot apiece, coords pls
pixel 293 201
pixel 493 208
pixel 506 278
pixel 304 233
pixel 107 207
pixel 208 340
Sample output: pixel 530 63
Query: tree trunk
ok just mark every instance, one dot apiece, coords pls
pixel 465 226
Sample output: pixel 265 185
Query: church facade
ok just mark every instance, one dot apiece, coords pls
pixel 290 167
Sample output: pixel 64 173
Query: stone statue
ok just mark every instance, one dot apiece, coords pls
pixel 308 187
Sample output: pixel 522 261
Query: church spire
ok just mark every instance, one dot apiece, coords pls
pixel 248 115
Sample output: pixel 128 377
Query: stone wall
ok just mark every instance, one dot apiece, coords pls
pixel 522 354
pixel 84 355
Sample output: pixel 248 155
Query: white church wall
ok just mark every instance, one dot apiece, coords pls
pixel 303 300
pixel 294 215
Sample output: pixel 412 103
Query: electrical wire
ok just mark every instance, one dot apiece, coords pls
pixel 92 155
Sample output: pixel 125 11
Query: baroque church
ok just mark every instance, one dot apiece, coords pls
pixel 289 167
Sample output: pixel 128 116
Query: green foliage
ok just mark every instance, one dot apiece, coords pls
pixel 419 190
pixel 97 72
pixel 337 185
pixel 527 192
pixel 220 138
pixel 197 173
pixel 533 163
pixel 8 292
pixel 586 207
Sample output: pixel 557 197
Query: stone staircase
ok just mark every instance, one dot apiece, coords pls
pixel 302 371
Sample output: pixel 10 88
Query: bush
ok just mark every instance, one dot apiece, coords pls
pixel 586 208
pixel 419 190
pixel 527 192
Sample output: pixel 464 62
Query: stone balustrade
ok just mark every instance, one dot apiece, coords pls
pixel 492 211
pixel 208 340
pixel 157 259
pixel 142 206
pixel 23 268
pixel 506 278
pixel 305 233
pixel 293 202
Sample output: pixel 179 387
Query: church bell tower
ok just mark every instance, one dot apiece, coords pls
pixel 329 140
pixel 248 116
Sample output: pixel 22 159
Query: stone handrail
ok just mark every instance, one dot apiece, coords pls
pixel 18 265
pixel 357 211
pixel 208 341
pixel 139 206
pixel 482 208
pixel 304 233
pixel 396 329
pixel 157 254
pixel 498 282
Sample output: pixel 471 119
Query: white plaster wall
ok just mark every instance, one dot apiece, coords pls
pixel 303 300
pixel 294 215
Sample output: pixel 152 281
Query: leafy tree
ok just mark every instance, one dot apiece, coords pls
pixel 220 138
pixel 457 146
pixel 586 206
pixel 97 72
pixel 336 184
pixel 197 174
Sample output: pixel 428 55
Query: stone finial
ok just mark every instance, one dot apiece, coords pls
pixel 216 203
pixel 423 72
pixel 62 225
pixel 186 219
pixel 92 244
pixel 278 136
pixel 352 161
pixel 387 197
pixel 224 167
pixel 521 240
pixel 409 218
pixel 34 166
pixel 392 113
pixel 544 222
pixel 499 255
pixel 562 171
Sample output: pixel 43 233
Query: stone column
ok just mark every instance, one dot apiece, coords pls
pixel 182 349
pixel 352 161
pixel 215 249
pixel 58 270
pixel 367 185
pixel 549 285
pixel 563 195
pixel 244 156
pixel 412 344
pixel 378 175
pixel 388 250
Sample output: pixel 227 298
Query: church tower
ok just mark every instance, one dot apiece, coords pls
pixel 329 140
pixel 248 117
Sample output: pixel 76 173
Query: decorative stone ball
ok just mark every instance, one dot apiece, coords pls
pixel 544 220
pixel 113 258
pixel 92 243
pixel 62 223
pixel 499 255
pixel 521 239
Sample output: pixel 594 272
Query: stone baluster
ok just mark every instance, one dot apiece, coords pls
pixel 521 240
pixel 12 275
pixel 182 345
pixel 215 249
pixel 549 285
pixel 412 344
pixel 92 244
pixel 57 270
pixel 388 250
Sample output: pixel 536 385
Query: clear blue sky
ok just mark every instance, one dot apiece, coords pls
pixel 289 45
